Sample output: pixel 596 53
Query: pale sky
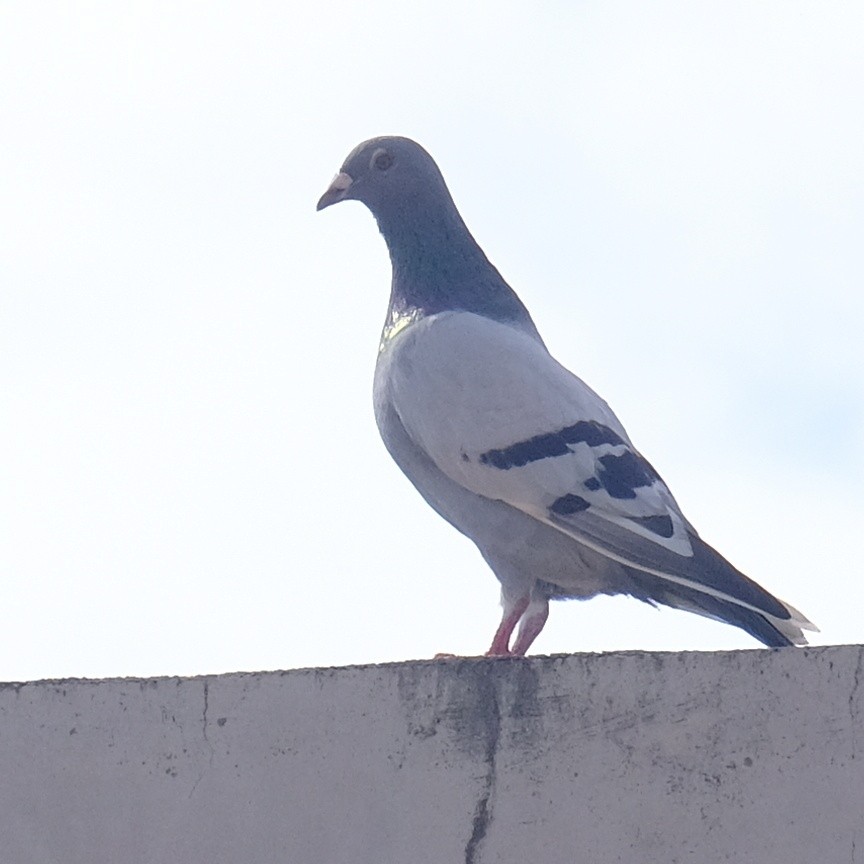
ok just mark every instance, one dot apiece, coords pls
pixel 192 480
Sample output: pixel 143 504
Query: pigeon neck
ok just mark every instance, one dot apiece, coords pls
pixel 438 266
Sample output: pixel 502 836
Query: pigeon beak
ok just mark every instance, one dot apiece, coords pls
pixel 336 191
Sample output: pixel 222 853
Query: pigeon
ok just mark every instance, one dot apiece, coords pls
pixel 506 444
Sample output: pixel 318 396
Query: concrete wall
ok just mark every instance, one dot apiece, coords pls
pixel 751 756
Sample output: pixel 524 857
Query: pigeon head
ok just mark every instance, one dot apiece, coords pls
pixel 437 265
pixel 394 177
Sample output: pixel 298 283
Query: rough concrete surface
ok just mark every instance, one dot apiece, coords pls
pixel 754 756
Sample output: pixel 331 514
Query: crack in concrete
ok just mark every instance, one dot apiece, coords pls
pixel 853 701
pixel 206 708
pixel 206 737
pixel 491 711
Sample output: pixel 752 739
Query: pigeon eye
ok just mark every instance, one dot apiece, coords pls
pixel 382 160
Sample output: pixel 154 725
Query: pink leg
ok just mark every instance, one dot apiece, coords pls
pixel 532 623
pixel 501 642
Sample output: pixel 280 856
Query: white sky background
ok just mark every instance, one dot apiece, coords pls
pixel 192 481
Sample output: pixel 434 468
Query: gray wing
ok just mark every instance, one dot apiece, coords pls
pixel 500 417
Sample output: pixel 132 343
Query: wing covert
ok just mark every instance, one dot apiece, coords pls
pixel 502 418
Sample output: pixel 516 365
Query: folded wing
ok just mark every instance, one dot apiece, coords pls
pixel 498 415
